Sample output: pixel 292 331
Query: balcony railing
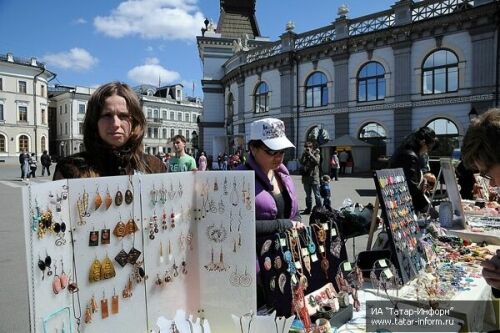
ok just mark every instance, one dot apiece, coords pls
pixel 378 21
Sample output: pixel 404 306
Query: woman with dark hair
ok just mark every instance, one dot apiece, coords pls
pixel 113 132
pixel 408 157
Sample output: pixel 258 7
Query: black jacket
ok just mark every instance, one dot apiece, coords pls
pixel 409 161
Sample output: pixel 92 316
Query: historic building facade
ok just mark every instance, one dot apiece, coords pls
pixel 375 78
pixel 23 106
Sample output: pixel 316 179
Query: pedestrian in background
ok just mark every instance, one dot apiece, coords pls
pixel 310 161
pixel 202 162
pixel 325 192
pixel 335 165
pixel 24 162
pixel 343 156
pixel 181 161
pixel 46 162
pixel 33 165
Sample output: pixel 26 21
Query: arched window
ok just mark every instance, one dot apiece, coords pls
pixel 371 82
pixel 43 143
pixel 3 144
pixel 447 133
pixel 374 134
pixel 23 142
pixel 262 98
pixel 440 73
pixel 316 90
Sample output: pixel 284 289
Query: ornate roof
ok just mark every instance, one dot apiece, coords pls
pixel 237 19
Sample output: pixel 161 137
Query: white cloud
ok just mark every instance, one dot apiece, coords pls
pixel 76 59
pixel 80 20
pixel 152 72
pixel 151 19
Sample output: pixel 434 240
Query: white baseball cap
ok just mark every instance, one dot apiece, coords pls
pixel 271 132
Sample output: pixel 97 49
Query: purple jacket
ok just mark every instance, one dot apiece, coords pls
pixel 265 206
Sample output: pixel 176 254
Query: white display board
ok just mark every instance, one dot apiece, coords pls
pixel 452 191
pixel 194 246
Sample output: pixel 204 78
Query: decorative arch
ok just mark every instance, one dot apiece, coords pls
pixel 316 89
pixel 371 84
pixel 448 135
pixel 3 143
pixel 261 97
pixel 23 142
pixel 374 133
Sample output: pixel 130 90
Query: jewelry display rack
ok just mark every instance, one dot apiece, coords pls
pixel 313 253
pixel 120 252
pixel 399 221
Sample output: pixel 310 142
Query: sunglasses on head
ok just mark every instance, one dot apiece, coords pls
pixel 485 175
pixel 272 152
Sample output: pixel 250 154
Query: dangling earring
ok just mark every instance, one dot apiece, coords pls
pixel 118 197
pixel 95 271
pixel 88 315
pixel 120 229
pixel 107 268
pixel 114 303
pixel 56 283
pixel 104 307
pixel 93 304
pixel 63 278
pixel 131 226
pixel 108 200
pixel 97 200
pixel 129 196
pixel 105 236
pixel 94 238
pixel 172 219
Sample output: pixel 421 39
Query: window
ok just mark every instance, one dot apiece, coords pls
pixel 43 143
pixel 371 82
pixel 186 117
pixel 23 113
pixel 316 90
pixel 374 134
pixel 42 90
pixel 164 114
pixel 65 128
pixel 440 73
pixel 65 108
pixel 171 115
pixel 180 132
pixel 187 135
pixel 22 87
pixel 179 116
pixel 81 108
pixel 150 113
pixel 1 113
pixel 1 83
pixel 23 143
pixel 3 146
pixel 155 113
pixel 155 132
pixel 261 98
pixel 164 133
pixel 60 109
pixel 44 116
pixel 447 133
pixel 80 128
pixel 60 128
pixel 172 133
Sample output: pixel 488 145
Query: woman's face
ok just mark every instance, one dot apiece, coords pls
pixel 114 124
pixel 268 159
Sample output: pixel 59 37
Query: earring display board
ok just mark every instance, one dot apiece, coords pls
pixel 143 246
pixel 400 221
pixel 313 253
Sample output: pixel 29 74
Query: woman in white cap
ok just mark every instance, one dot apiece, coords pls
pixel 276 206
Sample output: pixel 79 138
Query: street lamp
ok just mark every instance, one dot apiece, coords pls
pixel 473 114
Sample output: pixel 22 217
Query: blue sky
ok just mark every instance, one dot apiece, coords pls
pixel 91 42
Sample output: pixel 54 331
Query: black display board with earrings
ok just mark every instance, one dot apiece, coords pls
pixel 314 252
pixel 399 222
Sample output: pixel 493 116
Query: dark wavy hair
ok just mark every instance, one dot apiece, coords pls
pixel 94 144
pixel 415 140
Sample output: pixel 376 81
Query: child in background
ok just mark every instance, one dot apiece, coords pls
pixel 324 191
